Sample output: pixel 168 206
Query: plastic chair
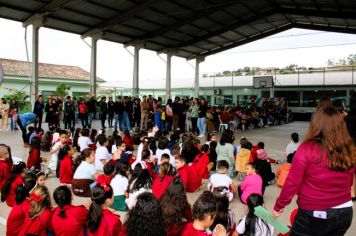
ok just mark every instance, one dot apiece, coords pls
pixel 222 125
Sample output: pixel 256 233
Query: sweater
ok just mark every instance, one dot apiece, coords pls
pixel 317 187
pixel 252 184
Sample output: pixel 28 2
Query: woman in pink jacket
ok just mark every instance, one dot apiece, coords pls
pixel 321 175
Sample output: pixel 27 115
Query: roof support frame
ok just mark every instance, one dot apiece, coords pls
pixel 247 40
pixel 119 18
pixel 328 28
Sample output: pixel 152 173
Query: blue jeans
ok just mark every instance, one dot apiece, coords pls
pixel 126 122
pixel 158 121
pixel 90 118
pixel 13 125
pixel 202 125
pixel 118 121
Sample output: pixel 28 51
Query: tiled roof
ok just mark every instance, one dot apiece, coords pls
pixel 51 71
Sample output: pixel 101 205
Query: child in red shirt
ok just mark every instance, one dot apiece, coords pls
pixel 162 180
pixel 38 219
pixel 201 162
pixel 18 213
pixel 204 210
pixel 146 156
pixel 129 141
pixel 101 221
pixel 189 175
pixel 15 179
pixel 65 214
pixel 66 169
pixel 34 157
pixel 4 166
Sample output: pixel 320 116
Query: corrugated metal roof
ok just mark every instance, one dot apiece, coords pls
pixel 184 28
pixel 51 71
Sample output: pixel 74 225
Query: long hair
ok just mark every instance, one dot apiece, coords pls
pixel 173 203
pixel 62 196
pixel 98 197
pixel 227 137
pixel 23 191
pixel 146 217
pixel 251 220
pixel 37 207
pixel 140 179
pixel 64 151
pixel 222 210
pixel 35 143
pixel 328 128
pixel 15 171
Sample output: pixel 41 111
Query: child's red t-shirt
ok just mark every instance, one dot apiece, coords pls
pixel 10 199
pixel 129 142
pixel 189 230
pixel 200 163
pixel 190 177
pixel 76 217
pixel 66 170
pixel 34 159
pixel 37 226
pixel 16 218
pixel 4 172
pixel 110 225
pixel 160 185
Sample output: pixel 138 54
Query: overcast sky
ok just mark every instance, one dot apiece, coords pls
pixel 116 64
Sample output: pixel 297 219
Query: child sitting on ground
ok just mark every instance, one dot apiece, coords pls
pixel 190 177
pixel 109 172
pixel 204 211
pixel 201 162
pixel 222 180
pixel 251 224
pixel 120 184
pixel 4 166
pixel 164 159
pixel 242 158
pixel 264 168
pixel 162 180
pixel 84 140
pixel 251 184
pixel 283 170
pixel 129 141
pixel 34 158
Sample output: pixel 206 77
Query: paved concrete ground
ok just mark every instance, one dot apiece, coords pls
pixel 275 139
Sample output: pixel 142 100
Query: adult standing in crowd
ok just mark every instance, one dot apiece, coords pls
pixel 144 113
pixel 50 110
pixel 193 109
pixel 136 113
pixel 111 111
pixel 23 121
pixel 321 175
pixel 103 111
pixel 225 149
pixel 14 111
pixel 91 110
pixel 203 108
pixel 169 115
pixel 4 112
pixel 38 110
pixel 83 113
pixel 351 127
pixel 69 113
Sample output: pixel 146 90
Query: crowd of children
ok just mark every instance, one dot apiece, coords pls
pixel 151 183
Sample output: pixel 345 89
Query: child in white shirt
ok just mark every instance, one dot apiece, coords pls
pixel 222 181
pixel 102 155
pixel 84 140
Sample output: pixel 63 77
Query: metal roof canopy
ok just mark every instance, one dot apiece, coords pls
pixel 184 28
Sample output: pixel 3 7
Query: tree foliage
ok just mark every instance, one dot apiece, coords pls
pixel 62 90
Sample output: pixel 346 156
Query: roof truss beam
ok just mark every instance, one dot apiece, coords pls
pixel 194 17
pixel 328 28
pixel 247 40
pixel 225 29
pixel 119 18
pixel 38 17
pixel 319 13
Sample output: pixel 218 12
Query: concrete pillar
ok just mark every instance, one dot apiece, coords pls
pixel 135 81
pixel 93 66
pixel 347 98
pixel 301 97
pixel 168 76
pixel 34 78
pixel 196 79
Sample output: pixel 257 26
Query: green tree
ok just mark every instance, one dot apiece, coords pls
pixel 62 90
pixel 351 59
pixel 227 73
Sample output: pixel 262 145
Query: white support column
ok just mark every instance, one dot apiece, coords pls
pixel 136 68
pixel 93 66
pixel 168 76
pixel 196 79
pixel 34 78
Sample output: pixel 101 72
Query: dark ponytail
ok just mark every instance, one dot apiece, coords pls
pixel 62 196
pixel 98 197
pixel 16 170
pixel 64 151
pixel 23 191
pixel 253 201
